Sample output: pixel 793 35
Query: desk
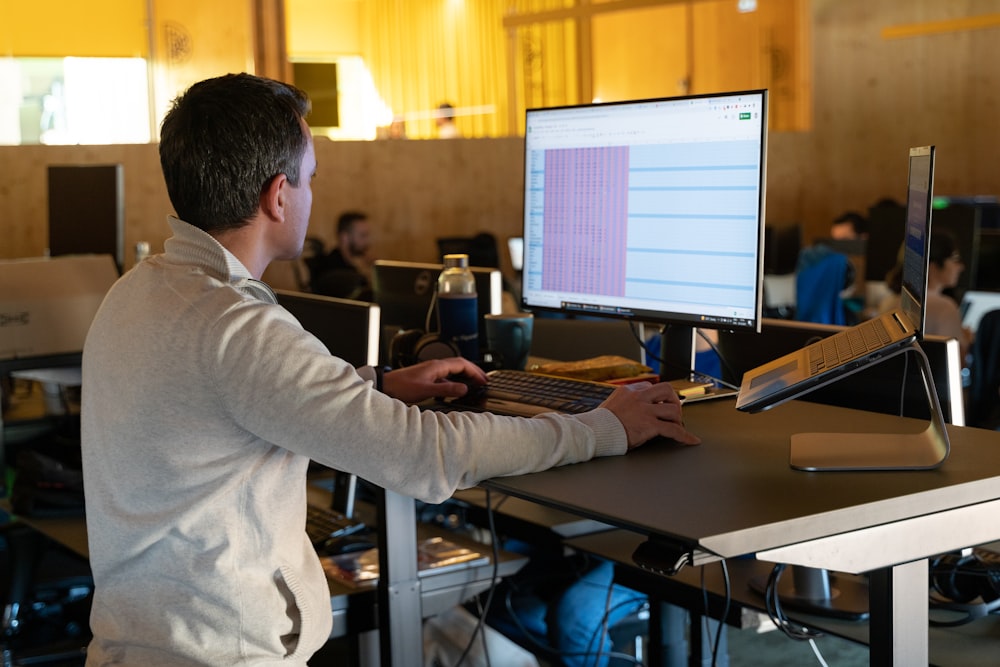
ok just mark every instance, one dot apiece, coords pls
pixel 971 645
pixel 736 495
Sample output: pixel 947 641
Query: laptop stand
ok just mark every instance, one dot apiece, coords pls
pixel 878 451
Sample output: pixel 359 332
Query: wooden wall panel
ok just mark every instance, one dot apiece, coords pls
pixel 873 99
pixel 641 53
pixel 414 192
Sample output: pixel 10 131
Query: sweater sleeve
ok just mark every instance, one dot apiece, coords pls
pixel 304 400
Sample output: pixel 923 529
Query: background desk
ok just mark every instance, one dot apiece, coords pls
pixel 735 495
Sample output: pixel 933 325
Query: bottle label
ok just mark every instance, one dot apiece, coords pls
pixel 458 323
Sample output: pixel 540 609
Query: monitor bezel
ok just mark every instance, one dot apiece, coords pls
pixel 655 316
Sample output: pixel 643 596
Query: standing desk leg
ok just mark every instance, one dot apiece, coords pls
pixel 667 643
pixel 399 609
pixel 897 597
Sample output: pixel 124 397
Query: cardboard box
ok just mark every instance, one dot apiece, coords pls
pixel 47 304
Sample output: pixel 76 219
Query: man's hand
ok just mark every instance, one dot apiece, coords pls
pixel 429 379
pixel 649 410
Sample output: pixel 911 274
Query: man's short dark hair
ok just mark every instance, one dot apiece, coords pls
pixel 224 140
pixel 347 219
pixel 857 221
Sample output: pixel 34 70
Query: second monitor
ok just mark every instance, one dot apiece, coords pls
pixel 405 292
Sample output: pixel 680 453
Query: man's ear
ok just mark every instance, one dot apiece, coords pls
pixel 272 197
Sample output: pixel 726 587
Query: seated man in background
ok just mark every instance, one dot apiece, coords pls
pixel 346 270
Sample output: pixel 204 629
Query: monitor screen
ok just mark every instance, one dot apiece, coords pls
pixel 650 209
pixel 349 329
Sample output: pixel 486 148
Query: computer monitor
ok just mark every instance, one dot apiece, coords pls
pixel 87 211
pixel 986 264
pixel 782 245
pixel 963 223
pixel 405 292
pixel 891 387
pixel 349 329
pixel 886 224
pixel 649 210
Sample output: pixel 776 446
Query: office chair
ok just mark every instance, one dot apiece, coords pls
pixel 821 277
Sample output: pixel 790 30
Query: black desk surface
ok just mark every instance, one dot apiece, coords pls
pixel 735 493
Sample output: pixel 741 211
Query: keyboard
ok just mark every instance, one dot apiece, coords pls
pixel 324 523
pixel 847 345
pixel 523 393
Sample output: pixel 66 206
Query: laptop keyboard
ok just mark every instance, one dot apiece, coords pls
pixel 323 523
pixel 847 345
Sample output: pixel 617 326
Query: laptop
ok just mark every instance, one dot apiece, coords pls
pixel 832 358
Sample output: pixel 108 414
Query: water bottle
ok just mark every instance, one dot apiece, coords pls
pixel 458 306
pixel 141 251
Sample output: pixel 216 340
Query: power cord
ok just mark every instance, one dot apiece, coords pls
pixel 777 615
pixel 480 629
pixel 727 591
pixel 687 371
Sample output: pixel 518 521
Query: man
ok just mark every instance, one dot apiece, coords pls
pixel 346 270
pixel 204 402
pixel 444 119
pixel 849 226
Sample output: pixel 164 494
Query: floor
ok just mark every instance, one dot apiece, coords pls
pixel 747 648
pixel 773 649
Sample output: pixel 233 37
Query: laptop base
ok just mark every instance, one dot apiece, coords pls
pixel 878 451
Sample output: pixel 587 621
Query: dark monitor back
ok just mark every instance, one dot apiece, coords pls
pixel 405 293
pixel 986 269
pixel 563 339
pixel 349 329
pixel 782 245
pixel 963 223
pixel 876 388
pixel 87 211
pixel 482 248
pixel 885 235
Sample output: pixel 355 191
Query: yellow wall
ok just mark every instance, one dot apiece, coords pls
pixel 197 39
pixel 323 27
pixel 874 97
pixel 95 28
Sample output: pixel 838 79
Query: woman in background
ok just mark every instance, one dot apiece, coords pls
pixel 942 315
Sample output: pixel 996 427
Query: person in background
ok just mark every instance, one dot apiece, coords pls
pixel 849 226
pixel 942 314
pixel 204 402
pixel 444 118
pixel 346 270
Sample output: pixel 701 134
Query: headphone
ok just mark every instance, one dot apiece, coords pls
pixel 964 584
pixel 411 346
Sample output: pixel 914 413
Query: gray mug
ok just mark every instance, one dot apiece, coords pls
pixel 508 336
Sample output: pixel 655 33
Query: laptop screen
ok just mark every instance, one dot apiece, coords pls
pixel 917 240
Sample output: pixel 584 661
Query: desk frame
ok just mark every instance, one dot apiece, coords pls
pixel 887 523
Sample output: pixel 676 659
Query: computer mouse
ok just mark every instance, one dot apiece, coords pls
pixel 476 391
pixel 336 546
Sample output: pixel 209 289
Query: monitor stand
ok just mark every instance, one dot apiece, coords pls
pixel 878 451
pixel 677 345
pixel 814 591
